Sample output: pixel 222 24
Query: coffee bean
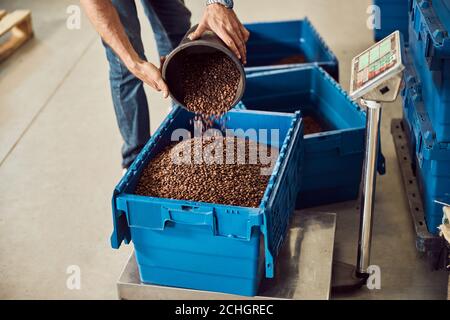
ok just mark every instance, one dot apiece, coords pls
pixel 219 183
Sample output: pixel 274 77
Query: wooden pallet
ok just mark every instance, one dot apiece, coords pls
pixel 18 24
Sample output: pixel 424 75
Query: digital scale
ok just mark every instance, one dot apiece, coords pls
pixel 377 72
pixel 377 75
pixel 306 264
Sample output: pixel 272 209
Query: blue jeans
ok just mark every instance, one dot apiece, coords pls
pixel 170 20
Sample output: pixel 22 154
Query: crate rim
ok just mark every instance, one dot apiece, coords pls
pixel 296 123
pixel 130 196
pixel 308 22
pixel 314 67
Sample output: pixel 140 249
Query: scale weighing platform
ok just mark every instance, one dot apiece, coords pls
pixel 304 271
pixel 305 263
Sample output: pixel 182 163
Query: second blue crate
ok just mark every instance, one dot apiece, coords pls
pixel 333 158
pixel 271 42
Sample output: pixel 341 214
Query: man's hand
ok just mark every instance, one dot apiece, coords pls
pixel 227 26
pixel 151 75
pixel 106 21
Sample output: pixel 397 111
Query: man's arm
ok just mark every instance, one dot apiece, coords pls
pixel 106 21
pixel 222 20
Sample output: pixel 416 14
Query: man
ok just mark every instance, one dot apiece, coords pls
pixel 117 23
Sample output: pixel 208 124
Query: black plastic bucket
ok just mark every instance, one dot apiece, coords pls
pixel 208 43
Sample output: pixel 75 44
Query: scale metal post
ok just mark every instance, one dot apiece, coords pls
pixel 376 78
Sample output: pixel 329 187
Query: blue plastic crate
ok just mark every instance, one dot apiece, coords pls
pixel 431 163
pixel 442 9
pixel 334 158
pixel 390 25
pixel 430 50
pixel 209 246
pixel 413 90
pixel 431 159
pixel 270 42
pixel 394 16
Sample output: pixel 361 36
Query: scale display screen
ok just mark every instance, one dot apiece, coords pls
pixel 372 66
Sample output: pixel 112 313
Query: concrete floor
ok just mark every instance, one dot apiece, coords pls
pixel 59 158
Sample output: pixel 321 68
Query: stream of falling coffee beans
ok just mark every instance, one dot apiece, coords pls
pixel 208 172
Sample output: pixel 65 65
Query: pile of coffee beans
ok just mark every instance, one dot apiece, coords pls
pixel 210 82
pixel 189 170
pixel 311 125
pixel 296 58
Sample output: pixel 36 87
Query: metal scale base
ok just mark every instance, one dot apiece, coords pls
pixel 303 271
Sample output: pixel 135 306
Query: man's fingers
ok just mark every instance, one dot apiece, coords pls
pixel 233 28
pixel 198 32
pixel 244 47
pixel 151 75
pixel 162 86
pixel 237 27
pixel 153 84
pixel 245 32
pixel 239 43
pixel 230 43
pixel 159 85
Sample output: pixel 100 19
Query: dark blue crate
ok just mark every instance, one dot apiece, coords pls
pixel 394 16
pixel 431 163
pixel 411 89
pixel 270 42
pixel 333 159
pixel 431 159
pixel 442 9
pixel 430 50
pixel 208 246
pixel 389 25
pixel 393 8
